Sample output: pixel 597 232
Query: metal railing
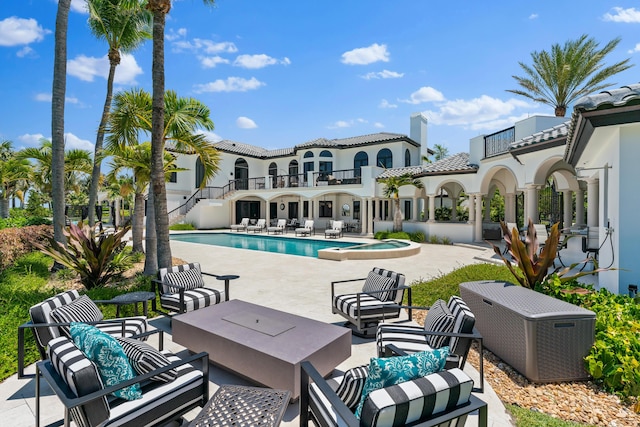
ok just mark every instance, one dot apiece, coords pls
pixel 288 181
pixel 205 193
pixel 340 177
pixel 499 142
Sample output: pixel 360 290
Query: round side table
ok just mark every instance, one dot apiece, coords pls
pixel 134 298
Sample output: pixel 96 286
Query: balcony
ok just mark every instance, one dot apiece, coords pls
pixel 341 177
pixel 499 142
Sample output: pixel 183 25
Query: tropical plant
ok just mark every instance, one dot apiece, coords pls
pixel 124 25
pixel 566 73
pixel 159 9
pixel 14 173
pixel 95 258
pixel 391 189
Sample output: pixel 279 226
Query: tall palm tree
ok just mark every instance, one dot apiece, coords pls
pixel 159 9
pixel 124 25
pixel 58 95
pixel 391 189
pixel 568 72
pixel 14 172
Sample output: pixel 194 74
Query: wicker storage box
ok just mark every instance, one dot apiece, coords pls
pixel 543 338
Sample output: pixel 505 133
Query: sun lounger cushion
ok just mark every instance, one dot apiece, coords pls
pixel 351 385
pixel 107 353
pixel 193 299
pixel 145 359
pixel 439 319
pixel 385 372
pixel 79 310
pixel 41 313
pixel 187 279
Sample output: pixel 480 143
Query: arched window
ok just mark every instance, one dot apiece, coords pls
pixel 326 153
pixel 273 173
pixel 385 158
pixel 241 174
pixel 361 159
pixel 325 166
pixel 307 166
pixel 293 174
pixel 407 157
pixel 308 154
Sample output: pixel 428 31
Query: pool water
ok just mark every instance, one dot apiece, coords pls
pixel 281 245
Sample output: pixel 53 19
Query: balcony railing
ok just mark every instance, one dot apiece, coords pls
pixel 499 142
pixel 288 181
pixel 340 177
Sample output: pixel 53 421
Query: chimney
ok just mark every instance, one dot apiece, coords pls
pixel 418 132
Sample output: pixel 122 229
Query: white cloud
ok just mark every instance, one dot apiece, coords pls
pixel 231 84
pixel 484 112
pixel 172 34
pixel 46 97
pixel 245 123
pixel 346 123
pixel 16 31
pixel 205 46
pixel 378 125
pixel 258 61
pixel 212 61
pixel 86 68
pixel 25 51
pixel 79 6
pixel 635 49
pixel 73 142
pixel 384 74
pixel 424 94
pixel 533 16
pixel 210 136
pixel 386 104
pixel 630 15
pixel 30 139
pixel 366 55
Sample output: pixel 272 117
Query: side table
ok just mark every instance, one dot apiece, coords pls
pixel 234 405
pixel 134 298
pixel 227 278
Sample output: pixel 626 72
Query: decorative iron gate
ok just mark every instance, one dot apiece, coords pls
pixel 550 206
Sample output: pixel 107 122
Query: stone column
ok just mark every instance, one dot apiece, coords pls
pixel 432 208
pixel 478 227
pixel 472 208
pixel 510 207
pixel 567 208
pixel 593 202
pixel 580 207
pixel 369 205
pixel 416 211
pixel 454 207
pixel 487 208
pixel 532 205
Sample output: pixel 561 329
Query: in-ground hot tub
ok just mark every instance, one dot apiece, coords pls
pixel 389 248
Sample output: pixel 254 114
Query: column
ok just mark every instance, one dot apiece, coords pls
pixel 232 209
pixel 369 204
pixel 593 202
pixel 268 212
pixel 509 207
pixel 478 216
pixel 416 211
pixel 580 207
pixel 432 208
pixel 567 208
pixel 487 209
pixel 454 207
pixel 532 205
pixel 471 205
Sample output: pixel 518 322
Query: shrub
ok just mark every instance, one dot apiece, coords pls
pixel 445 241
pixel 434 240
pixel 381 235
pixel 417 236
pixel 16 242
pixel 182 227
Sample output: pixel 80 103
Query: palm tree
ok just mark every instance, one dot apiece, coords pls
pixel 391 189
pixel 124 25
pixel 14 172
pixel 159 9
pixel 58 94
pixel 568 72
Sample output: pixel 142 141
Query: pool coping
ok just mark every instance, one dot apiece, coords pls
pixel 342 254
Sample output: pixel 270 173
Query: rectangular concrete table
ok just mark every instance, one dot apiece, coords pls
pixel 261 344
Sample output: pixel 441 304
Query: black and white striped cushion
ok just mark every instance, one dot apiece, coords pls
pixel 187 279
pixel 464 322
pixel 81 375
pixel 132 326
pixel 370 307
pixel 41 313
pixel 193 299
pixel 350 388
pixel 410 338
pixel 397 279
pixel 81 310
pixel 376 282
pixel 145 359
pixel 439 319
pixel 417 399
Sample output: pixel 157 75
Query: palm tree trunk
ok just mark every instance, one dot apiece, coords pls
pixel 57 119
pixel 138 223
pixel 95 174
pixel 159 8
pixel 397 215
pixel 151 258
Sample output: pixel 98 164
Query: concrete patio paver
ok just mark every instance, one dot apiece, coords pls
pixel 299 285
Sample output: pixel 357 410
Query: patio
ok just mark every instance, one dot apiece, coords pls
pixel 299 285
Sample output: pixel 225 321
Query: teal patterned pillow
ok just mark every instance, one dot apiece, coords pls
pixel 386 371
pixel 107 353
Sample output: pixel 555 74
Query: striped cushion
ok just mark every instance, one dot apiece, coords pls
pixel 188 279
pixel 132 326
pixel 162 273
pixel 465 320
pixel 145 359
pixel 410 338
pixel 419 399
pixel 439 319
pixel 41 313
pixel 370 307
pixel 193 299
pixel 398 281
pixel 80 310
pixel 81 375
pixel 376 282
pixel 350 388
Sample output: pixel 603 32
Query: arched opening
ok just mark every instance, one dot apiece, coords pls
pixel 325 166
pixel 384 158
pixel 407 157
pixel 273 173
pixel 361 159
pixel 294 179
pixel 241 174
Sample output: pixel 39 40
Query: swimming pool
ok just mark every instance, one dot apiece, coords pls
pixel 281 245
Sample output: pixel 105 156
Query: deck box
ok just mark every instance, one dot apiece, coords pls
pixel 543 338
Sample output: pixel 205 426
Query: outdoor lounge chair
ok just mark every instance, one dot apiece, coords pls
pixel 70 307
pixel 280 227
pixel 307 229
pixel 378 301
pixel 335 231
pixel 260 226
pixel 392 405
pixel 182 288
pixel 76 381
pixel 447 324
pixel 244 223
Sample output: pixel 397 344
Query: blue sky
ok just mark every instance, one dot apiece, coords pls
pixel 280 73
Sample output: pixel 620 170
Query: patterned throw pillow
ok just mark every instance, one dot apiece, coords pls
pixel 386 371
pixel 145 359
pixel 350 389
pixel 187 279
pixel 376 282
pixel 108 355
pixel 79 310
pixel 439 319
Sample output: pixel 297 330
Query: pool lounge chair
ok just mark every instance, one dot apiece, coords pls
pixel 307 229
pixel 280 227
pixel 242 226
pixel 335 230
pixel 260 226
